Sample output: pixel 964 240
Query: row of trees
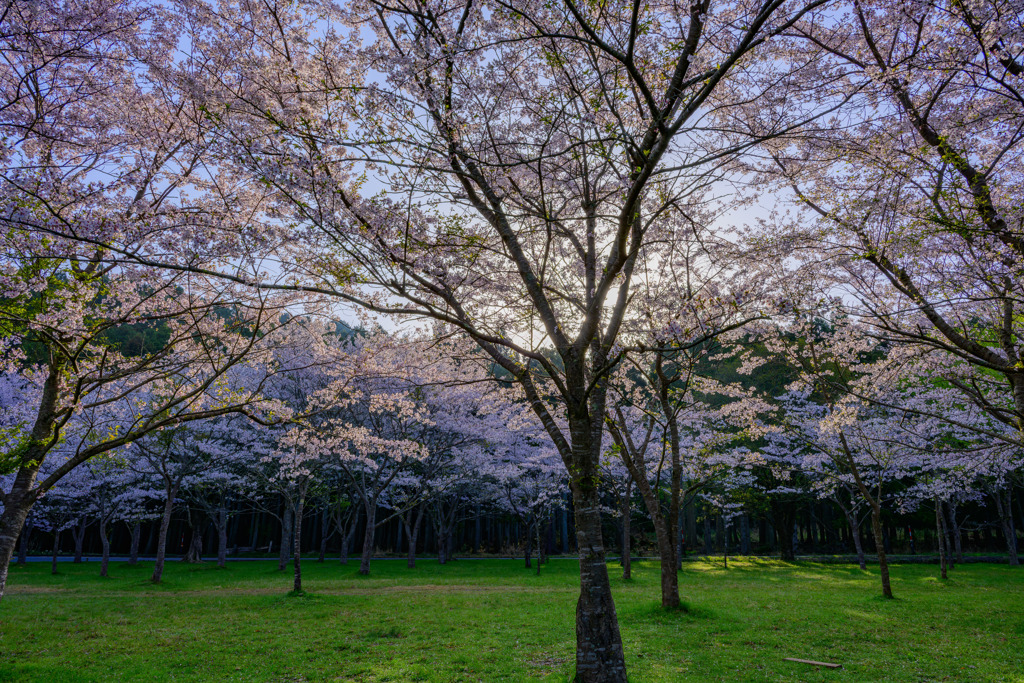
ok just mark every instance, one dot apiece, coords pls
pixel 560 185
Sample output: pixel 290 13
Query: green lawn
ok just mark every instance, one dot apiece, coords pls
pixel 492 620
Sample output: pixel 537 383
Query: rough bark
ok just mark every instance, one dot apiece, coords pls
pixel 599 655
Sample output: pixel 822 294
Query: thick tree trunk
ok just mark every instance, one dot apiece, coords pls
pixel 161 542
pixel 599 654
pixel 285 549
pixel 133 551
pixel 105 542
pixel 368 536
pixel 19 501
pixel 299 506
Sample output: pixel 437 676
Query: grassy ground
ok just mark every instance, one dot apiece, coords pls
pixel 492 620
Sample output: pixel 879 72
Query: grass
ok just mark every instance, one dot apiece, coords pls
pixel 492 620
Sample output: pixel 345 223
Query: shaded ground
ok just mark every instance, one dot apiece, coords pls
pixel 492 620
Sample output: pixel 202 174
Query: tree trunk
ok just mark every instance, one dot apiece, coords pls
pixel 883 563
pixel 725 543
pixel 299 506
pixel 325 520
pixel 26 530
pixel 954 527
pixel 105 542
pixel 851 519
pixel 368 536
pixel 285 549
pixel 627 565
pixel 19 501
pixel 527 544
pixel 1003 507
pixel 540 550
pixel 161 543
pixel 78 535
pixel 940 538
pixel 194 552
pixel 56 549
pixel 133 552
pixel 413 532
pixel 599 655
pixel 222 536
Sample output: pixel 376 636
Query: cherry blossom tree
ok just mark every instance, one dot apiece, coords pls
pixel 910 198
pixel 502 169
